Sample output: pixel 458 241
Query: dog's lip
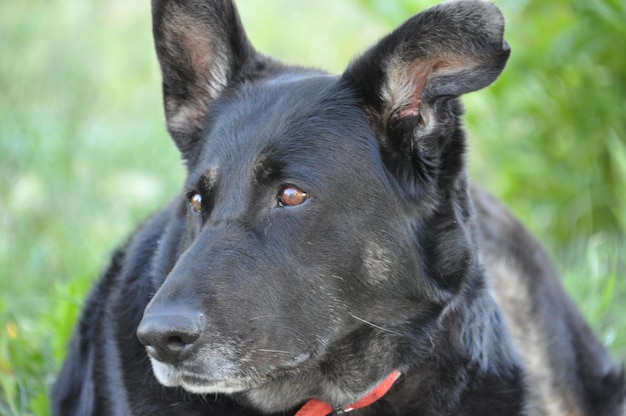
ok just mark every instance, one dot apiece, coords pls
pixel 200 384
pixel 196 381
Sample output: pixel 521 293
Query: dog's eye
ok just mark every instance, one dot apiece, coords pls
pixel 196 202
pixel 291 196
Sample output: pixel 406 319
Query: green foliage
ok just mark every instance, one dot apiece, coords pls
pixel 572 91
pixel 84 155
pixel 596 281
pixel 69 188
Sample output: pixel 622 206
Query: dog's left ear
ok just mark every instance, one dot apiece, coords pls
pixel 408 78
pixel 202 49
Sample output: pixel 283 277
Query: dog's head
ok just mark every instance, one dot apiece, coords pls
pixel 324 220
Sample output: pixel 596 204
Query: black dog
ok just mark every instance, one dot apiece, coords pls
pixel 327 252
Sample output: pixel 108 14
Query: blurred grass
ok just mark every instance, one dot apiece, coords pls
pixel 84 155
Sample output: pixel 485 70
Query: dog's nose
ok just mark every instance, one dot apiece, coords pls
pixel 167 336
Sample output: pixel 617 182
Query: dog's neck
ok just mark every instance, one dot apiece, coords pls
pixel 471 369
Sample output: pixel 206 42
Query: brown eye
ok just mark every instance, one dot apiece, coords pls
pixel 196 202
pixel 292 196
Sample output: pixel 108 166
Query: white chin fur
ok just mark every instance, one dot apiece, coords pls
pixel 164 373
pixel 170 377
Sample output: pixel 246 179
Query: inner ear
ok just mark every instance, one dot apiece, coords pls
pixel 195 72
pixel 404 87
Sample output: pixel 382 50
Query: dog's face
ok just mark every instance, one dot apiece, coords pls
pixel 294 236
pixel 276 267
pixel 316 207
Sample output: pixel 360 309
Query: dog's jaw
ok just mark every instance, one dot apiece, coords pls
pixel 275 392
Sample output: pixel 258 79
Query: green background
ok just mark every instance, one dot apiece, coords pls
pixel 84 156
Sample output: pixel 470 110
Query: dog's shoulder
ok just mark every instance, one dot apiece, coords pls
pixel 569 371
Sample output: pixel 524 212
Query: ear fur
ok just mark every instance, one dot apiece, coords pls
pixel 408 79
pixel 202 50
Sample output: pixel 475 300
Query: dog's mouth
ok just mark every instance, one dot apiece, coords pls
pixel 200 384
pixel 231 377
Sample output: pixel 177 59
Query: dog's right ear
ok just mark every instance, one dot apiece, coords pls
pixel 408 82
pixel 202 49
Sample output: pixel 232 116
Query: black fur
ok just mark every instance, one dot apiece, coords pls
pixel 240 304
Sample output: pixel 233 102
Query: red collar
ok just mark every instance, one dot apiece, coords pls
pixel 315 407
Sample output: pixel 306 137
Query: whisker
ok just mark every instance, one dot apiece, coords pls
pixel 265 317
pixel 374 325
pixel 274 351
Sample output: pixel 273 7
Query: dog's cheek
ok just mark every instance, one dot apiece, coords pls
pixel 377 263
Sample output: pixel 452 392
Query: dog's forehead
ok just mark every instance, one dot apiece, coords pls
pixel 294 120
